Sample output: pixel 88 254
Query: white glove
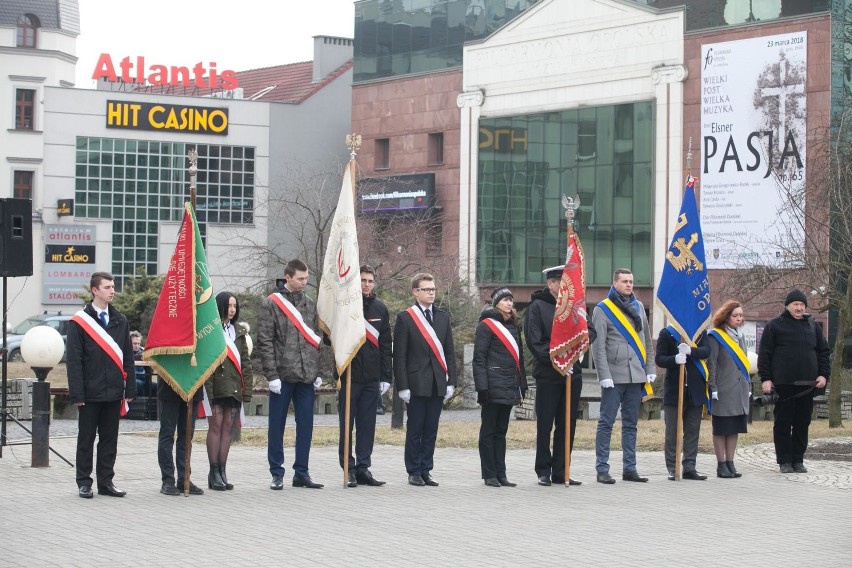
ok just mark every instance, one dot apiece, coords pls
pixel 317 383
pixel 450 390
pixel 684 348
pixel 714 395
pixel 680 358
pixel 405 395
pixel 607 384
pixel 275 386
pixel 651 378
pixel 383 387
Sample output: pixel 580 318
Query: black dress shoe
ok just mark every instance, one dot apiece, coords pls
pixel 797 468
pixel 169 489
pixel 277 482
pixel 692 474
pixel 671 476
pixel 193 488
pixel 416 480
pixel 352 481
pixel 633 476
pixel 306 481
pixel 366 478
pixel 85 491
pixel 574 482
pixel 544 480
pixel 429 480
pixel 506 483
pixel 492 482
pixel 605 477
pixel 111 490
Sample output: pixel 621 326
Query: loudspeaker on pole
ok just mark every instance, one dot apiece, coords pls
pixel 16 237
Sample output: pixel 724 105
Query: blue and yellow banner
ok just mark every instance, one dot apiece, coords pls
pixel 684 290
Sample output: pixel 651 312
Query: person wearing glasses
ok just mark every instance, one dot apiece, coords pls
pixel 424 366
pixel 500 380
pixel 372 372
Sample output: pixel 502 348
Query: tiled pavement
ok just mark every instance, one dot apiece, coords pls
pixel 762 519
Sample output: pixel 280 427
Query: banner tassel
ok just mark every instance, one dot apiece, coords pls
pixel 193 361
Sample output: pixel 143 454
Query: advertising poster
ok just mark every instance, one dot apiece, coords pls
pixel 69 261
pixel 753 127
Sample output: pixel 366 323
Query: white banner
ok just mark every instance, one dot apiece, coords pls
pixel 753 128
pixel 340 304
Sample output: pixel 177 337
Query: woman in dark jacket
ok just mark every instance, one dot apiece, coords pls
pixel 730 385
pixel 498 373
pixel 227 389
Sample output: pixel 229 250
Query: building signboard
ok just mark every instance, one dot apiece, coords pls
pixel 753 129
pixel 69 261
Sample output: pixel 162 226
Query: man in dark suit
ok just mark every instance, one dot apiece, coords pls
pixel 425 370
pixel 100 361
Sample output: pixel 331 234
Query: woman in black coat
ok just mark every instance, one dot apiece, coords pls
pixel 498 373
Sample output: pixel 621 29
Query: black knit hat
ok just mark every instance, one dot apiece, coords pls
pixel 499 294
pixel 796 295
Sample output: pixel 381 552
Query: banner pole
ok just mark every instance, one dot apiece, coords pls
pixel 188 450
pixel 679 439
pixel 568 379
pixel 346 429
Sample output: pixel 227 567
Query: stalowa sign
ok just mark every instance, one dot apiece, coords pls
pixel 753 121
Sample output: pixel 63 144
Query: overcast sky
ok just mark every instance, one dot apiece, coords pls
pixel 238 35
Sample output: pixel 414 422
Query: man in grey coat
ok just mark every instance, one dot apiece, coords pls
pixel 624 357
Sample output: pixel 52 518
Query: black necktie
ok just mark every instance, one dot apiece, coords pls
pixel 429 316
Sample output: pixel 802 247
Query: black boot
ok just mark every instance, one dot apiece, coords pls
pixel 228 486
pixel 214 478
pixel 733 470
pixel 723 471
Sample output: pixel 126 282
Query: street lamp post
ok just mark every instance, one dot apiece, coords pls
pixel 41 348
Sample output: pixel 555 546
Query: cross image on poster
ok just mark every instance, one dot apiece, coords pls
pixel 753 128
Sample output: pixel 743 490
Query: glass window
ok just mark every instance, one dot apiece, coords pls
pixel 525 164
pixel 435 150
pixel 24 109
pixel 27 29
pixel 23 185
pixel 114 192
pixel 381 154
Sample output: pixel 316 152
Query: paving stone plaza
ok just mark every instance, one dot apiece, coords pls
pixel 763 519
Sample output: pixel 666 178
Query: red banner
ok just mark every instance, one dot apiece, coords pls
pixel 569 338
pixel 173 325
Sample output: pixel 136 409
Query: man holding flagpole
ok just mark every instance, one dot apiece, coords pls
pixel 288 342
pixel 684 297
pixel 550 384
pixel 99 359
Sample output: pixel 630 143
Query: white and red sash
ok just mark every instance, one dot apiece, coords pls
pixel 428 333
pixel 296 319
pixel 506 339
pixel 205 410
pixel 372 333
pixel 99 335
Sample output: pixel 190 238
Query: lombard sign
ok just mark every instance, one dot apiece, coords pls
pixel 69 261
pixel 156 116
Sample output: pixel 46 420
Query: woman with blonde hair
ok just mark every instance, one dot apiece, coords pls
pixel 730 385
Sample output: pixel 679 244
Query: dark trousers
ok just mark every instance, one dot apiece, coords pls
pixel 362 413
pixel 492 440
pixel 550 417
pixel 173 418
pixel 792 419
pixel 101 419
pixel 302 396
pixel 424 412
pixel 691 428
